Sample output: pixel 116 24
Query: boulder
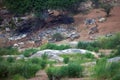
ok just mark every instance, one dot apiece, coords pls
pixel 18 37
pixel 54 54
pixel 101 20
pixel 115 59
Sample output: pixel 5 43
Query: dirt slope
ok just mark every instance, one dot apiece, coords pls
pixel 112 25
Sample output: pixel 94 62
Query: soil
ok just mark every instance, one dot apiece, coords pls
pixel 112 25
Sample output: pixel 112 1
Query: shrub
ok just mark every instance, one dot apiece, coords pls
pixel 66 60
pixel 43 64
pixel 111 42
pixel 107 8
pixel 1 58
pixel 88 45
pixel 26 70
pixel 116 77
pixel 56 73
pixel 35 61
pixel 57 37
pixel 9 51
pixel 104 70
pixel 89 55
pixel 44 56
pixel 29 52
pixel 4 72
pixel 50 73
pixel 54 46
pixel 74 70
pixel 10 59
pixel 117 53
pixel 18 77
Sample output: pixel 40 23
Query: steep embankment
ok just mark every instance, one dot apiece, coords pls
pixel 112 25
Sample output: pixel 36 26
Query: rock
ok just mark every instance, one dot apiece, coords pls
pixel 101 20
pixel 74 35
pixel 15 45
pixel 4 11
pixel 89 21
pixel 18 37
pixel 7 29
pixel 93 30
pixel 54 54
pixel 115 59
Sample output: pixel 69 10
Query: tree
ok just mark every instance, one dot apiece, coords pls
pixel 107 8
pixel 96 3
pixel 39 6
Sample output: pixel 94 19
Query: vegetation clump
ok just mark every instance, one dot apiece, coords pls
pixel 54 46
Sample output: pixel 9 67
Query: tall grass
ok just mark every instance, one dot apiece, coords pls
pixel 9 51
pixel 106 71
pixel 54 46
pixel 72 70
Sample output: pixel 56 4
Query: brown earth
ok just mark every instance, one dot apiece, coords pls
pixel 112 25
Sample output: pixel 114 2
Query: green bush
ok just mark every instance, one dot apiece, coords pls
pixel 66 60
pixel 35 61
pixel 1 58
pixel 43 64
pixel 74 70
pixel 18 77
pixel 55 73
pixel 116 77
pixel 24 69
pixel 8 51
pixel 4 72
pixel 57 37
pixel 44 56
pixel 107 8
pixel 10 59
pixel 106 71
pixel 89 55
pixel 88 45
pixel 54 46
pixel 29 52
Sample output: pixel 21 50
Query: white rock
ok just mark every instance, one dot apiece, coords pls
pixel 101 20
pixel 115 59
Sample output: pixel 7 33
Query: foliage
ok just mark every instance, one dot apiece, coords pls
pixel 29 52
pixel 4 72
pixel 72 70
pixel 57 37
pixel 92 46
pixel 104 70
pixel 89 55
pixel 10 59
pixel 109 43
pixel 43 63
pixel 101 43
pixel 96 3
pixel 54 46
pixel 18 77
pixel 44 56
pixel 9 51
pixel 24 69
pixel 66 60
pixel 38 6
pixel 38 61
pixel 78 58
pixel 107 8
